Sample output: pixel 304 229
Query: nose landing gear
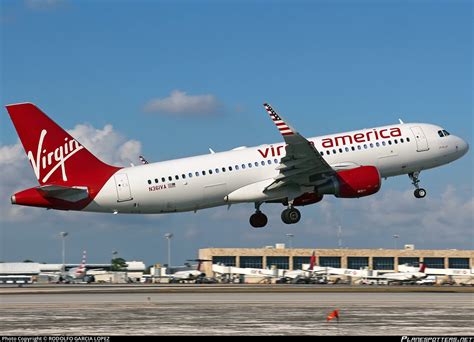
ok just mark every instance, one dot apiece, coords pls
pixel 419 192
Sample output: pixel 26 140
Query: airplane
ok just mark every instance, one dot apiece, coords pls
pixel 305 275
pixel 402 277
pixel 294 173
pixel 190 274
pixel 76 273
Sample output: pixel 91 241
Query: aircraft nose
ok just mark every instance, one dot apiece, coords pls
pixel 462 146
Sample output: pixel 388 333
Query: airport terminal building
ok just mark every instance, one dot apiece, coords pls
pixel 375 259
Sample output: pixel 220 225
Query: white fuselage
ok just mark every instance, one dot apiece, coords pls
pixel 204 181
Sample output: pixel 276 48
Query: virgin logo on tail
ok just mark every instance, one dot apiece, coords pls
pixel 56 158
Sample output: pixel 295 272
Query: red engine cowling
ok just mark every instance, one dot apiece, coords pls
pixel 359 182
pixel 307 198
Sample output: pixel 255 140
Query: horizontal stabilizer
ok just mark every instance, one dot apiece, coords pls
pixel 65 193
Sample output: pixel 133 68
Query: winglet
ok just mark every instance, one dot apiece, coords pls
pixel 282 126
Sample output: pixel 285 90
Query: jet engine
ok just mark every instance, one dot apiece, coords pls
pixel 358 182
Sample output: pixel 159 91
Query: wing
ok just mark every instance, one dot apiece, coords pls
pixel 65 193
pixel 303 165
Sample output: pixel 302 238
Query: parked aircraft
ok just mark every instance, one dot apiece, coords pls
pixel 401 277
pixel 76 273
pixel 295 173
pixel 189 274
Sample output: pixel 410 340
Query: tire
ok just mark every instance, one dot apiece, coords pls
pixel 258 220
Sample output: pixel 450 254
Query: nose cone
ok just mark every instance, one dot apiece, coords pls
pixel 461 147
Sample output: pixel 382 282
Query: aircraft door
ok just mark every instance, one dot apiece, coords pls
pixel 122 185
pixel 421 141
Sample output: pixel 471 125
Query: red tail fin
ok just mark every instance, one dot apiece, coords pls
pixel 82 267
pixel 312 261
pixel 422 267
pixel 56 157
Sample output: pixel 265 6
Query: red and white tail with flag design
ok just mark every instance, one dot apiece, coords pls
pixel 82 268
pixel 282 126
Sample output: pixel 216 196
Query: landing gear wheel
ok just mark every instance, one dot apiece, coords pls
pixel 258 220
pixel 420 193
pixel 290 216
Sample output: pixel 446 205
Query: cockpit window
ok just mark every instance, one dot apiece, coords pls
pixel 446 133
pixel 440 133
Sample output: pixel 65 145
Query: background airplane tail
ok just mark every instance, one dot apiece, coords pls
pixel 56 157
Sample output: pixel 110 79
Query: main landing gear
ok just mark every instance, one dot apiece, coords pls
pixel 419 192
pixel 290 215
pixel 259 219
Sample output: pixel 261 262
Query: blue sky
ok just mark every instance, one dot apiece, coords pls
pixel 327 66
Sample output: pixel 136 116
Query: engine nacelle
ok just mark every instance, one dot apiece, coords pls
pixel 358 182
pixel 307 198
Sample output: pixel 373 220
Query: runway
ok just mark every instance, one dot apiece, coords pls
pixel 243 313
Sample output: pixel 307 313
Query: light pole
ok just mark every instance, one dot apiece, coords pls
pixel 168 236
pixel 395 237
pixel 290 237
pixel 63 236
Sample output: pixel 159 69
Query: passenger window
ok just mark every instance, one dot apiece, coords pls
pixel 176 177
pixel 276 161
pixel 183 176
pixel 327 152
pixel 262 162
pixel 210 172
pixel 440 133
pixel 190 175
pixel 395 141
pixel 170 178
pixel 322 153
pixel 217 170
pixel 408 139
pixel 334 151
pixel 390 142
pixel 383 143
pixel 401 140
pixel 243 166
pixel 163 179
pixel 156 180
pixel 340 150
pixel 371 145
pixel 230 168
pixel 347 149
pixel 250 165
pixel 149 181
pixel 203 173
pixel 236 167
pixel 377 144
pixel 269 162
pixel 353 148
pixel 256 163
pixel 365 146
pixel 223 169
pixel 197 173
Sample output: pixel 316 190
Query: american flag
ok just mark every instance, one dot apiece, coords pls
pixel 171 185
pixel 282 126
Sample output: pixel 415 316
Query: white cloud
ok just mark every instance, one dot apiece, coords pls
pixel 106 143
pixel 180 103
